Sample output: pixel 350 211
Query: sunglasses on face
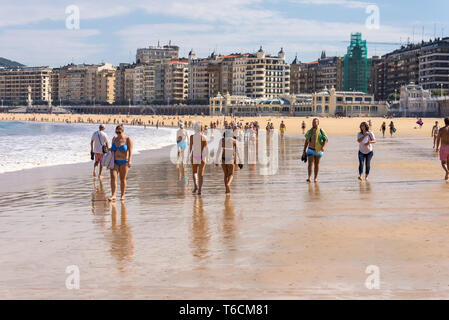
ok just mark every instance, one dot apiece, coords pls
pixel 118 132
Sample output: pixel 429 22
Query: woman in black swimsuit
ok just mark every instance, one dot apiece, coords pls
pixel 383 128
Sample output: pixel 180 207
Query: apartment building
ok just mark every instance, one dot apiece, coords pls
pixel 267 76
pixel 198 77
pixel 326 72
pixel 238 64
pixel 425 63
pixel 14 84
pixel 377 79
pixel 177 80
pixel 87 84
pixel 330 72
pixel 158 57
pixel 105 86
pixel 120 82
pixel 143 87
pixel 258 75
pixel 434 65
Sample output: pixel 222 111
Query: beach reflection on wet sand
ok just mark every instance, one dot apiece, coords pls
pixel 274 237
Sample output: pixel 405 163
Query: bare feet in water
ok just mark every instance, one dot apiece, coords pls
pixel 112 199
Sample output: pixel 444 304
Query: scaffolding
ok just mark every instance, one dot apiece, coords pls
pixel 357 66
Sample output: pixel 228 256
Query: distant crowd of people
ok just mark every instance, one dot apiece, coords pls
pixel 235 135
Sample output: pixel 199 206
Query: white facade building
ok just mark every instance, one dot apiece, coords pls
pixel 416 101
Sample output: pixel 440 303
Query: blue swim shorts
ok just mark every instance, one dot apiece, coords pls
pixel 182 145
pixel 313 153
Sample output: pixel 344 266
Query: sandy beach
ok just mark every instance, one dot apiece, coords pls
pixel 275 237
pixel 333 126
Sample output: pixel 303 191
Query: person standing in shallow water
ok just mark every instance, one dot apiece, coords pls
pixel 98 140
pixel 383 128
pixel 443 140
pixel 316 140
pixel 228 154
pixel 366 139
pixel 122 146
pixel 198 152
pixel 434 134
pixel 303 127
pixel 392 129
pixel 181 142
pixel 282 129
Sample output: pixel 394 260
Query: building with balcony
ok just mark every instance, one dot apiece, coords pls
pixel 317 75
pixel 267 76
pixel 177 80
pixel 14 84
pixel 157 57
pixel 89 84
pixel 199 77
pixel 434 65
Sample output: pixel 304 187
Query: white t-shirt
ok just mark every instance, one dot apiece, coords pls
pixel 100 139
pixel 362 147
pixel 181 133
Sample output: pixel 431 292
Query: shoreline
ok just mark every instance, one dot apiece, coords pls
pixel 13 179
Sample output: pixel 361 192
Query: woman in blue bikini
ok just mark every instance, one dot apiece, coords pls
pixel 122 146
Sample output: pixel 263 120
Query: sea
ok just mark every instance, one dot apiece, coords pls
pixel 27 145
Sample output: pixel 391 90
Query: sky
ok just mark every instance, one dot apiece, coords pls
pixel 44 32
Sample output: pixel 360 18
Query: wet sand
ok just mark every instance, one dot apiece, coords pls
pixel 276 237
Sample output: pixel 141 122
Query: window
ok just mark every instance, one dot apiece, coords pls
pixel 348 99
pixel 319 109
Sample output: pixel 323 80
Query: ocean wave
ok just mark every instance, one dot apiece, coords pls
pixel 28 145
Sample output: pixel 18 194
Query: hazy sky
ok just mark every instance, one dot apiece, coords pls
pixel 35 33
